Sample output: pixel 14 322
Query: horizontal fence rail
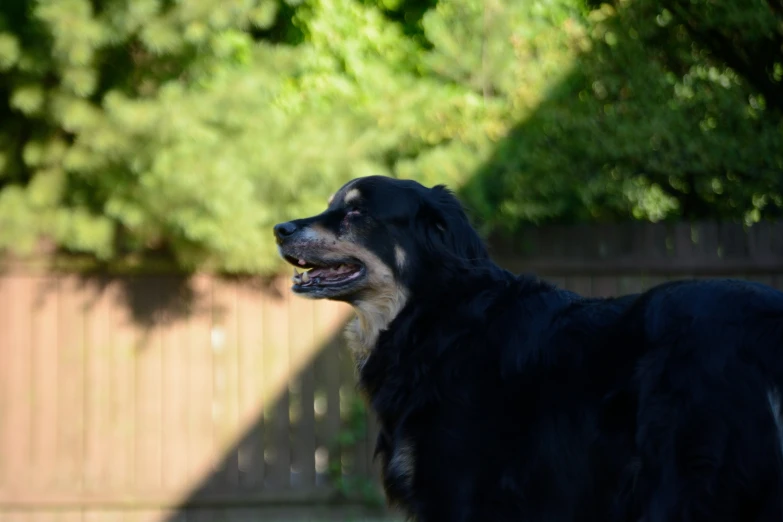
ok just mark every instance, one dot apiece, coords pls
pixel 654 248
pixel 173 398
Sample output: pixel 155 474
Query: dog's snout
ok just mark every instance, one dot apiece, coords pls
pixel 284 230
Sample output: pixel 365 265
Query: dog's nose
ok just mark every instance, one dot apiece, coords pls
pixel 283 230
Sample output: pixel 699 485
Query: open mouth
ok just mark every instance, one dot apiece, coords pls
pixel 321 275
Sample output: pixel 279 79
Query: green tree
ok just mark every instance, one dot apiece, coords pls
pixel 186 129
pixel 96 99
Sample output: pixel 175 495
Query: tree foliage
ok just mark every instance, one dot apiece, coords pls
pixel 651 123
pixel 188 128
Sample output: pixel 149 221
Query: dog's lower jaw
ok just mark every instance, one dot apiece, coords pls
pixel 373 315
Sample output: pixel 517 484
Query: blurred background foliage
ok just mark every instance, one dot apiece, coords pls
pixel 186 128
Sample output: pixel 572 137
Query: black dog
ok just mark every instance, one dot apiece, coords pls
pixel 502 398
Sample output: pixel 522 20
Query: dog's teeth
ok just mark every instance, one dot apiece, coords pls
pixel 296 272
pixel 305 277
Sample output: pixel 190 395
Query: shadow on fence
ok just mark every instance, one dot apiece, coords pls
pixel 307 456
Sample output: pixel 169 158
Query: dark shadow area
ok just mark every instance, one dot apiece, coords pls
pixel 307 456
pixel 154 289
pixel 163 298
pixel 152 296
pixel 151 299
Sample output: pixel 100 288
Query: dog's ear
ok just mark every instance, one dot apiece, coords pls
pixel 447 230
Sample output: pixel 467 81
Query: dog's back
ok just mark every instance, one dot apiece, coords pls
pixel 657 407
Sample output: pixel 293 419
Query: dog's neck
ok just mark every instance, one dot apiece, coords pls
pixel 372 317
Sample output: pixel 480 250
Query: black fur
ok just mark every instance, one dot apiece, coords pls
pixel 525 402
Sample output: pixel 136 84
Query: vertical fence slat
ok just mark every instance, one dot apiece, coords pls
pixel 706 247
pixel 776 239
pixel 251 397
pixel 276 368
pixel 175 352
pixel 580 284
pixel 19 418
pixel 630 284
pixel 224 350
pixel 605 286
pixel 149 379
pixel 578 245
pixel 71 383
pixel 232 397
pixel 650 242
pixel 683 243
pixel 20 390
pixel 332 423
pixel 320 402
pixel 45 344
pixel 354 456
pixel 123 394
pixel 759 238
pixel 302 343
pixel 99 385
pixel 200 435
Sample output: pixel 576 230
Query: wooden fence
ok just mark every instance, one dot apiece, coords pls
pixel 162 398
pixel 615 259
pixel 134 396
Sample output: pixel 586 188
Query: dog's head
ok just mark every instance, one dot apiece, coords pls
pixel 379 238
